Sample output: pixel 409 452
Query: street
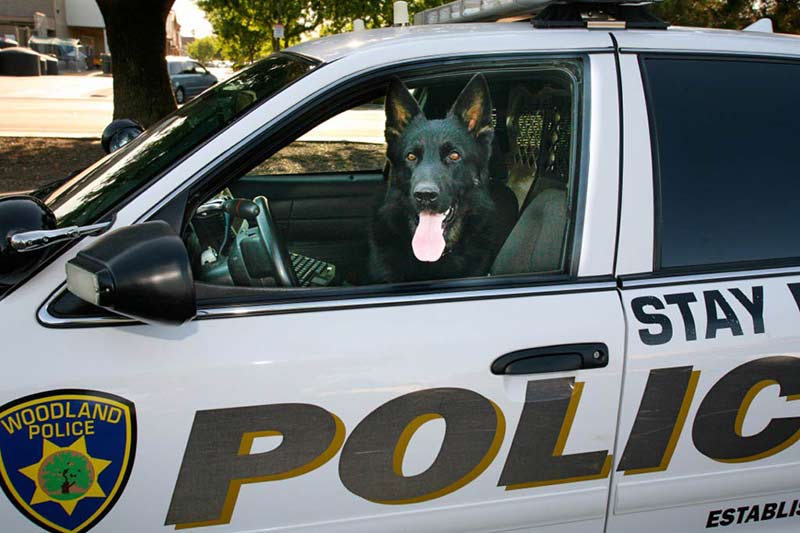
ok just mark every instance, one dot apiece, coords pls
pixel 55 106
pixel 80 106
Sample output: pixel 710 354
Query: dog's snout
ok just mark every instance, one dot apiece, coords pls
pixel 426 194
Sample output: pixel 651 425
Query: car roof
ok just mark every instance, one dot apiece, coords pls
pixel 175 59
pixel 421 40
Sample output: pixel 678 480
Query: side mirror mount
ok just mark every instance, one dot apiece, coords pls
pixel 141 271
pixel 119 133
pixel 20 215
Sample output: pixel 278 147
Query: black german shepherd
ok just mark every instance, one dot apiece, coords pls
pixel 437 219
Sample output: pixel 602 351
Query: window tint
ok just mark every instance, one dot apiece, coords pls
pixel 726 137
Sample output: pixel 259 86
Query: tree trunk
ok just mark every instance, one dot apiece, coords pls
pixel 66 485
pixel 137 38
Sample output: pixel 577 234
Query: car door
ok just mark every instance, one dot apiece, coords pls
pixel 708 424
pixel 191 78
pixel 380 412
pixel 202 78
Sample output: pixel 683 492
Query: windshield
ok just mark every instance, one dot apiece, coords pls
pixel 93 193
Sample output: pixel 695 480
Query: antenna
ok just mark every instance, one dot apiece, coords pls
pixel 763 25
pixel 401 13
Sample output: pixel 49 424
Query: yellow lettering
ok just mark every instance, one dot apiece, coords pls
pixel 56 411
pixel 84 410
pixel 11 423
pixel 32 430
pixel 28 417
pixel 88 427
pixel 100 411
pixel 42 413
pixel 47 430
pixel 114 415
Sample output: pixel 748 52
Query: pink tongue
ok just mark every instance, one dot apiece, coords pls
pixel 428 242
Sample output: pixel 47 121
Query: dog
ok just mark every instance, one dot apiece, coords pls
pixel 437 219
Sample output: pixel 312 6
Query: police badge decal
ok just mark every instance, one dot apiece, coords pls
pixel 65 456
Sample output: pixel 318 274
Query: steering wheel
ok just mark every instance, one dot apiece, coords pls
pixel 279 258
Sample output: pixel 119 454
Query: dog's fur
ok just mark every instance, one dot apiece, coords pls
pixel 433 183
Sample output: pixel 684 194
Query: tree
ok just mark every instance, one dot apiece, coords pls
pixel 204 49
pixel 339 15
pixel 245 27
pixel 66 470
pixel 239 27
pixel 137 36
pixel 732 14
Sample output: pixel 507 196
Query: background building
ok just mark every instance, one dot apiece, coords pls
pixel 68 19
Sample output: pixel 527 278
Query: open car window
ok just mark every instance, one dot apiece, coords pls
pixel 468 175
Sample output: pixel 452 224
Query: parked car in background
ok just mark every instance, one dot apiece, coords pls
pixel 189 77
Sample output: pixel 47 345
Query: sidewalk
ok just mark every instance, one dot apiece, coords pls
pixel 69 106
pixel 71 85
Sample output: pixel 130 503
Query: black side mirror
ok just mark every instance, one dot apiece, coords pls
pixel 20 214
pixel 142 272
pixel 119 133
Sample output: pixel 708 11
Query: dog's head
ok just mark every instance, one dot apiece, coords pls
pixel 438 163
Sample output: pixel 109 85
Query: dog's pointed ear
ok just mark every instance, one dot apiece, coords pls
pixel 401 109
pixel 474 107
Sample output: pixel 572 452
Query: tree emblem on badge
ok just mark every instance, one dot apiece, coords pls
pixel 65 475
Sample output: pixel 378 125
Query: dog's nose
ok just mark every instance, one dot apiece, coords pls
pixel 426 194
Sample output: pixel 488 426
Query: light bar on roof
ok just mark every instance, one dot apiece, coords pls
pixel 490 10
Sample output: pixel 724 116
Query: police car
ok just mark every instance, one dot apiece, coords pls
pixel 191 341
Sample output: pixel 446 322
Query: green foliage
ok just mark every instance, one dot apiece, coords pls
pixel 732 14
pixel 339 15
pixel 204 49
pixel 65 470
pixel 244 27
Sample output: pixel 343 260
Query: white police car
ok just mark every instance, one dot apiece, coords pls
pixel 630 363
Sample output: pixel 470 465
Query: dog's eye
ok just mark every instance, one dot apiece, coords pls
pixel 411 157
pixel 454 156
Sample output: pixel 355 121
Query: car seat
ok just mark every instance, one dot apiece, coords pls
pixel 539 161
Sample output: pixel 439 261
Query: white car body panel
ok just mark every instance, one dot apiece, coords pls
pixel 603 184
pixel 693 484
pixel 352 356
pixel 635 248
pixel 703 40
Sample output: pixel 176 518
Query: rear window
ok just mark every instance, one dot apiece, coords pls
pixel 726 136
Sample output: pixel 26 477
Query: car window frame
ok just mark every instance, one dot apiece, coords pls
pixel 270 142
pixel 732 266
pixel 199 68
pixel 252 301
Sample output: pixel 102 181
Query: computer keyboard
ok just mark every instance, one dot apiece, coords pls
pixel 312 272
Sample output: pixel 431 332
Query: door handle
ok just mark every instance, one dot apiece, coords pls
pixel 552 359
